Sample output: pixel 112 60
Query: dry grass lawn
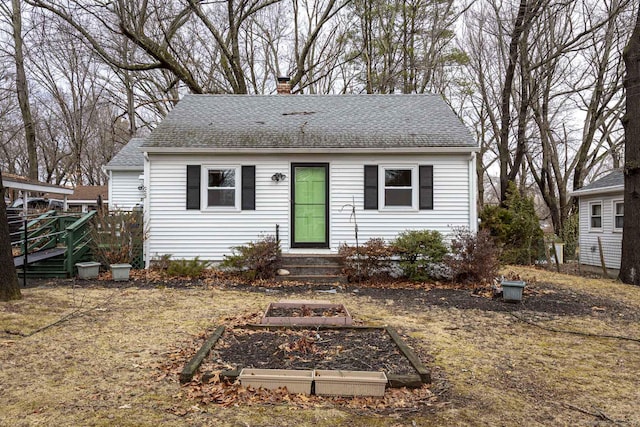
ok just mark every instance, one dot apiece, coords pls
pixel 100 366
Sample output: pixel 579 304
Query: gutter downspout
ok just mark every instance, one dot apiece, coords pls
pixel 145 209
pixel 473 194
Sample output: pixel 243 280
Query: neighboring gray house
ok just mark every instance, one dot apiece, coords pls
pixel 601 206
pixel 125 171
pixel 224 170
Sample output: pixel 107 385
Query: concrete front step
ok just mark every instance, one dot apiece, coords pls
pixel 312 269
pixel 318 278
pixel 295 259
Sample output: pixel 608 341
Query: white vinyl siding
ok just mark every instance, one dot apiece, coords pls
pixel 210 234
pixel 611 241
pixel 123 190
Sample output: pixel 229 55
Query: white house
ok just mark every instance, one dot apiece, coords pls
pixel 601 207
pixel 125 171
pixel 224 170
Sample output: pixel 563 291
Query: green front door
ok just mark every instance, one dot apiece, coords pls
pixel 309 210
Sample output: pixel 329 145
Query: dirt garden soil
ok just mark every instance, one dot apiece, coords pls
pixel 339 349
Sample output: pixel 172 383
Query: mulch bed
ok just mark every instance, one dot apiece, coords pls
pixel 345 349
pixel 305 311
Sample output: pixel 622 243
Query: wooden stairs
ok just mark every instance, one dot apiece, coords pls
pixel 54 243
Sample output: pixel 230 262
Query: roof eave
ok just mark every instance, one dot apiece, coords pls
pixel 601 190
pixel 307 150
pixel 42 187
pixel 124 168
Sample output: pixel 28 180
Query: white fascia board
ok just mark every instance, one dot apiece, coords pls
pixel 124 168
pixel 302 150
pixel 43 188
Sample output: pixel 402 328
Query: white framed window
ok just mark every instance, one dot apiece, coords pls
pixel 618 215
pixel 595 216
pixel 222 187
pixel 399 187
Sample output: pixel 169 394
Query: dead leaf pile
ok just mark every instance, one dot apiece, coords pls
pixel 214 389
pixel 227 394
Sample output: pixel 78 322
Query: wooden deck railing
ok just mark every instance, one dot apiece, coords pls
pixel 39 236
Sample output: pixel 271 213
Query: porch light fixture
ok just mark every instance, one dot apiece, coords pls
pixel 277 177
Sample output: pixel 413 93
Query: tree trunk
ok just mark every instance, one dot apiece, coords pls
pixel 9 287
pixel 630 263
pixel 23 91
pixel 505 107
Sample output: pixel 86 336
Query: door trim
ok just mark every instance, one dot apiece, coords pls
pixel 319 245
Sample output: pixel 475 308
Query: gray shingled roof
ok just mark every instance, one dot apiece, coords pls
pixel 610 181
pixel 310 121
pixel 129 156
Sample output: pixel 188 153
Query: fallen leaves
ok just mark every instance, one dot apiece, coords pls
pixel 228 394
pixel 213 388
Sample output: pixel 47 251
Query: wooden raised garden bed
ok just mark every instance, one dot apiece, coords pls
pixel 299 313
pixel 320 348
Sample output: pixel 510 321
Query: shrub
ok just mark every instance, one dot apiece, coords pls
pixel 570 234
pixel 116 237
pixel 474 256
pixel 161 262
pixel 255 260
pixel 371 260
pixel 417 250
pixel 515 228
pixel 186 268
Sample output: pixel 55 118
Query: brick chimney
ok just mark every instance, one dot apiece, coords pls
pixel 283 87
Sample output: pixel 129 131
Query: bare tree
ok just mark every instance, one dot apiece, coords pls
pixel 22 85
pixel 9 287
pixel 630 263
pixel 405 46
pixel 567 71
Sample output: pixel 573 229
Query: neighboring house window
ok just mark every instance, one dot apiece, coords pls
pixel 222 187
pixel 618 220
pixel 595 215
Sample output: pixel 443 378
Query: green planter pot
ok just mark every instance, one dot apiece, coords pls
pixel 512 290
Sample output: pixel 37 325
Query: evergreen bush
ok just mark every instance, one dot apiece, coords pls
pixel 255 260
pixel 515 228
pixel 418 251
pixel 186 268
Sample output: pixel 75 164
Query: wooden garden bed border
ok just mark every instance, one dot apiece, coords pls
pixel 423 375
pixel 309 321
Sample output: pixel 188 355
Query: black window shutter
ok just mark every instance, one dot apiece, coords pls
pixel 371 187
pixel 426 187
pixel 193 186
pixel 248 188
